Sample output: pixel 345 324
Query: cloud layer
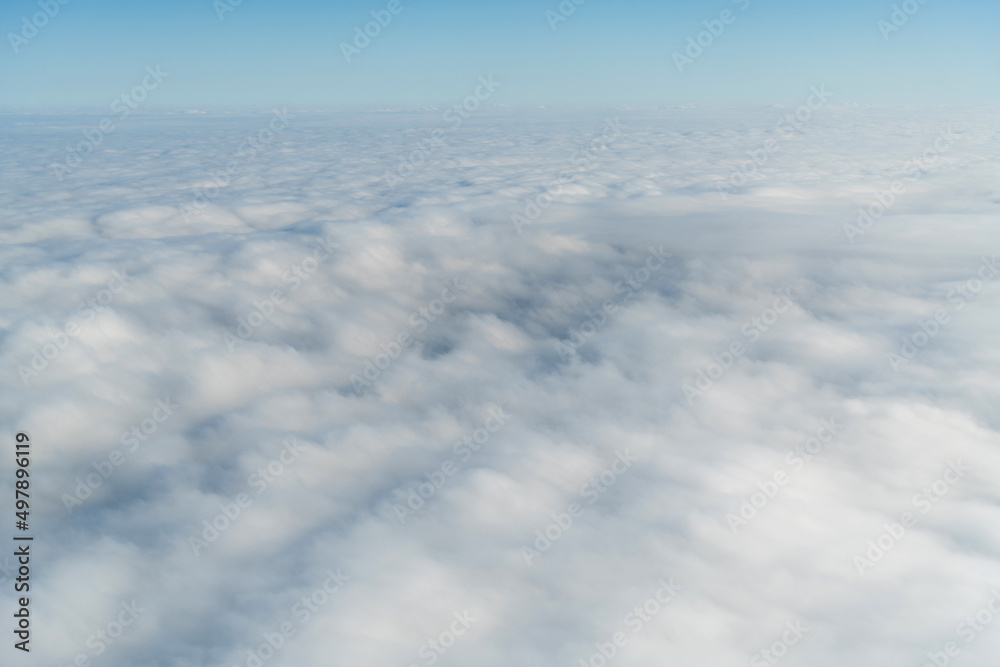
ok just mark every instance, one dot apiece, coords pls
pixel 356 417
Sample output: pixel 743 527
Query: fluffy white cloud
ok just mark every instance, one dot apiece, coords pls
pixel 378 329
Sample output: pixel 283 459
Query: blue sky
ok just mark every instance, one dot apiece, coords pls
pixel 268 52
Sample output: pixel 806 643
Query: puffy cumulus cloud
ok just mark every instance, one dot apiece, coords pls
pixel 287 410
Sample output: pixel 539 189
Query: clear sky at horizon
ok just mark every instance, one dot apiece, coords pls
pixel 265 52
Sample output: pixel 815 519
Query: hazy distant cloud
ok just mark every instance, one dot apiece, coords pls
pixel 260 519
